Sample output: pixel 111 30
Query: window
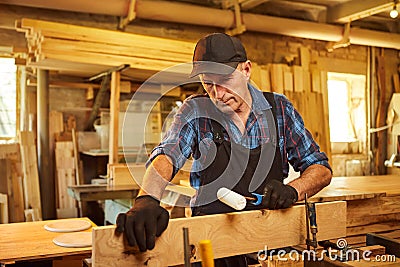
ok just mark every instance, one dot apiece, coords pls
pixel 347 110
pixel 8 98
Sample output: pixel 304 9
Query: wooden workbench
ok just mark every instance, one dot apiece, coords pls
pixel 29 241
pixel 359 187
pixel 373 205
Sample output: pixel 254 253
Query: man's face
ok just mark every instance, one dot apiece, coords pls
pixel 227 91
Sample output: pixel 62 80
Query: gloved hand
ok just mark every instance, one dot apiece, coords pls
pixel 279 196
pixel 143 222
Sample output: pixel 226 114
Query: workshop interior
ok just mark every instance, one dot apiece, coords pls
pixel 89 88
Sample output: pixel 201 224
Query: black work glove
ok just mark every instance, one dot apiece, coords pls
pixel 143 222
pixel 279 196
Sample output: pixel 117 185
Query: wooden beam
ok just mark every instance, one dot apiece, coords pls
pixel 114 113
pixel 355 9
pixel 129 50
pixel 69 85
pixel 230 234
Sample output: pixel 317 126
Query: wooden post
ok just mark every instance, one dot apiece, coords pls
pixel 24 113
pixel 114 117
pixel 381 117
pixel 45 167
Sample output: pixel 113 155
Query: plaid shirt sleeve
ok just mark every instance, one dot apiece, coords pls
pixel 181 138
pixel 296 143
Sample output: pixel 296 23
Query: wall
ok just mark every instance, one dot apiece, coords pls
pixel 71 102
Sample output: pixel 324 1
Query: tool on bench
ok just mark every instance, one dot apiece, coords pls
pixel 237 201
pixel 256 200
pixel 311 223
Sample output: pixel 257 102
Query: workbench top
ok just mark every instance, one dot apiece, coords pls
pixel 30 241
pixel 340 188
pixel 359 187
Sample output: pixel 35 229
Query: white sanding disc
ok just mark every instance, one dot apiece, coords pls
pixel 74 240
pixel 64 226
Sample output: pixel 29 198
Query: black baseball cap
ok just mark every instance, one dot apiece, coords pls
pixel 217 48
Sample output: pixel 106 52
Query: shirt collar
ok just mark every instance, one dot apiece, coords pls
pixel 259 102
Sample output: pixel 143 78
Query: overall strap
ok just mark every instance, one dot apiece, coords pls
pixel 271 100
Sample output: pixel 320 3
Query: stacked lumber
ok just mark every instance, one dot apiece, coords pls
pixel 11 185
pixel 65 169
pixel 58 46
pixel 306 86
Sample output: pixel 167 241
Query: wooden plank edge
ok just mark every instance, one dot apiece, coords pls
pixel 250 231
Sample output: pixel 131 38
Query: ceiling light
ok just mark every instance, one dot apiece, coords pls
pixel 394 13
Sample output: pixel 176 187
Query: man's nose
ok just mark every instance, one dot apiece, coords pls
pixel 219 91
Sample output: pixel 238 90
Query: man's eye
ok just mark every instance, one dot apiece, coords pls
pixel 225 79
pixel 208 84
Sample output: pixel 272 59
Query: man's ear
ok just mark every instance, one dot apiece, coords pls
pixel 246 67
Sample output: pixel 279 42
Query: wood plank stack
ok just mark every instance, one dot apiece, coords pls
pixel 66 171
pixel 60 46
pixel 311 105
pixel 11 185
pixel 306 86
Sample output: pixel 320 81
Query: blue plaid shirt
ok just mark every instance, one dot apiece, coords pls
pixel 190 135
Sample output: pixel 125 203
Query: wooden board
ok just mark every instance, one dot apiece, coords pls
pixel 114 113
pixel 122 49
pixel 129 175
pixel 12 176
pixel 3 208
pixel 298 79
pixel 31 175
pixel 311 107
pixel 288 81
pixel 122 174
pixel 230 234
pixel 65 171
pixel 30 241
pixel 277 79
